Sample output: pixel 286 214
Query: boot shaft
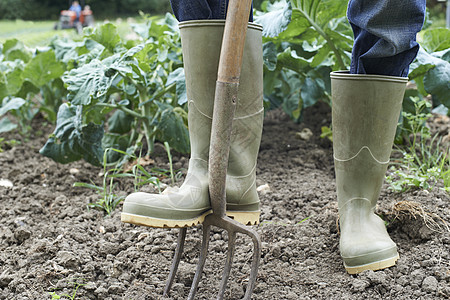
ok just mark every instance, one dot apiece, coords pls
pixel 201 41
pixel 365 113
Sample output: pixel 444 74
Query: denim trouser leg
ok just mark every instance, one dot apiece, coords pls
pixel 186 10
pixel 385 35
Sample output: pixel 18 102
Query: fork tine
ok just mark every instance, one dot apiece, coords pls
pixel 229 261
pixel 255 262
pixel 176 260
pixel 232 227
pixel 201 261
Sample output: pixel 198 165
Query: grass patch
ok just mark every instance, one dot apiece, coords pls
pixel 39 33
pixel 32 34
pixel 424 162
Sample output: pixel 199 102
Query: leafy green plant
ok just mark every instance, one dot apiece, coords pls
pixel 306 39
pixel 102 91
pixel 424 162
pixel 138 86
pixel 416 110
pixel 108 199
pixel 304 220
pixel 327 132
pixel 76 286
pixel 107 92
pixel 303 42
pixel 169 155
pixel 431 69
pixel 143 177
pixel 29 83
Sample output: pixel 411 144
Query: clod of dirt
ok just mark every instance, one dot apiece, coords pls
pixel 360 285
pixel 21 235
pixel 5 280
pixel 67 259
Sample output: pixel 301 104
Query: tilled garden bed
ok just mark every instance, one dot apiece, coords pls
pixel 51 243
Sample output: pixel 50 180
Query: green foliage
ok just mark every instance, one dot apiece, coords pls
pixel 76 286
pixel 424 162
pixel 307 39
pixel 169 155
pixel 29 83
pixel 436 39
pixel 18 108
pixel 20 9
pixel 137 87
pixel 326 133
pixel 416 110
pixel 431 72
pixel 73 140
pixel 304 41
pixel 106 92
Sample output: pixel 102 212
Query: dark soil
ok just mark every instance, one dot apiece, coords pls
pixel 51 242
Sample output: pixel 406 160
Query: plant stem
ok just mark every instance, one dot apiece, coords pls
pixel 145 112
pixel 169 155
pixel 325 36
pixel 159 94
pixel 123 108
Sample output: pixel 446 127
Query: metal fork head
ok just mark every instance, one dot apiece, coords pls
pixel 232 227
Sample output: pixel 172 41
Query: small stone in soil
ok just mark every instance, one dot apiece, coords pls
pixel 21 235
pixel 305 134
pixel 74 171
pixel 430 284
pixel 263 189
pixel 6 183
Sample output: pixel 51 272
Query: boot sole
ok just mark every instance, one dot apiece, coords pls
pixel 383 264
pixel 246 218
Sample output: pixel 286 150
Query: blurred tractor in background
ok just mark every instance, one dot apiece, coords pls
pixel 77 19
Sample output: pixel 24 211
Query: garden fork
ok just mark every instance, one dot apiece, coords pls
pixel 224 108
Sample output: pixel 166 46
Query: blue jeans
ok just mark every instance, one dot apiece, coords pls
pixel 384 30
pixel 385 35
pixel 186 10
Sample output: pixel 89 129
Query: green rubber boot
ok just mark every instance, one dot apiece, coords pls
pixel 365 115
pixel 188 205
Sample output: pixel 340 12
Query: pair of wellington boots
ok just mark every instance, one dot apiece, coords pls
pixel 365 114
pixel 189 204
